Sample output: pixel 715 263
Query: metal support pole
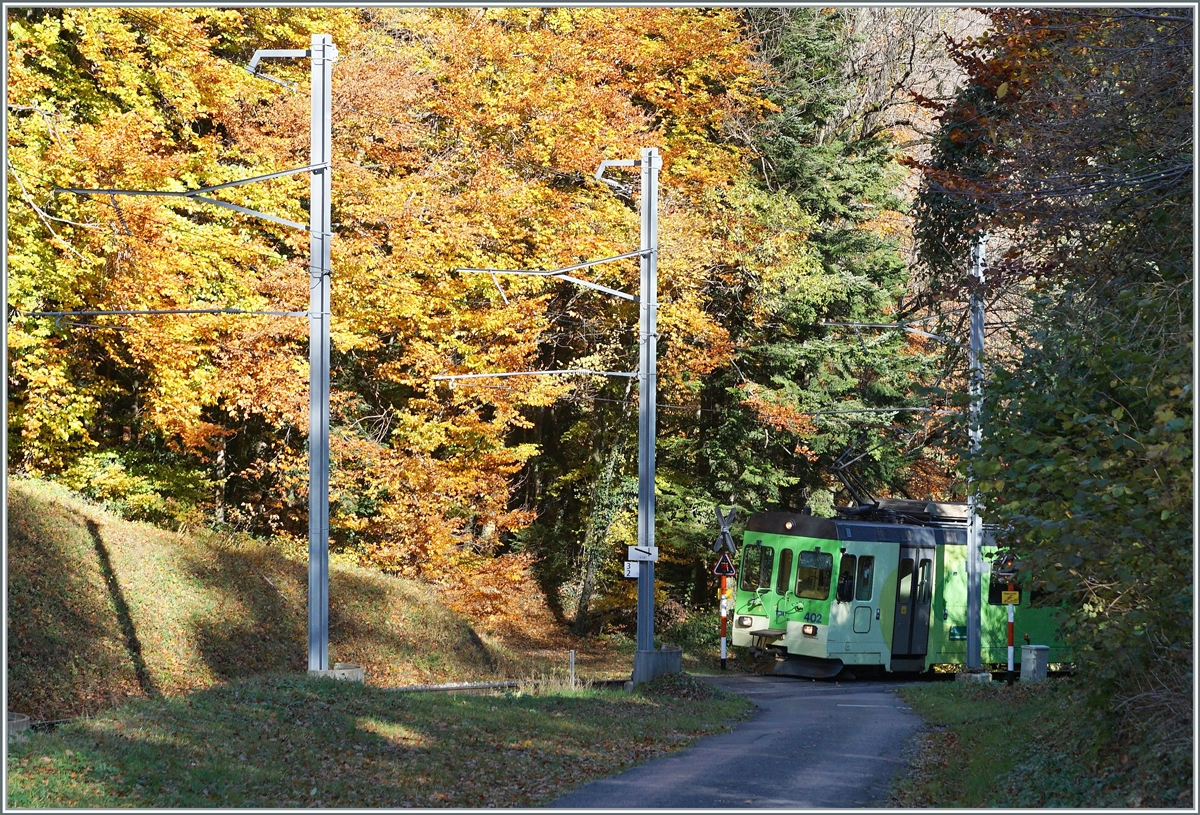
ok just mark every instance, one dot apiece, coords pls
pixel 974 522
pixel 323 55
pixel 647 392
pixel 651 164
pixel 320 227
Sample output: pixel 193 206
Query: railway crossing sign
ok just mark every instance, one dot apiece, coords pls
pixel 724 568
pixel 724 541
pixel 649 553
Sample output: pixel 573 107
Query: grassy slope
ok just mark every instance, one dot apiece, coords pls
pixel 138 627
pixel 1033 745
pixel 101 611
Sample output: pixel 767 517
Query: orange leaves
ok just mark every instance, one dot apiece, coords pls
pixel 537 96
pixel 559 90
pixel 476 152
pixel 414 505
pixel 695 344
pixel 130 108
pixel 930 478
pixel 775 413
pixel 495 590
pixel 462 138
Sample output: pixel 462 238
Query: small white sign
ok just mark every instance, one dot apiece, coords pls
pixel 632 568
pixel 643 553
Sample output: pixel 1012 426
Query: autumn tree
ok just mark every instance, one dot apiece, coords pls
pixel 803 241
pixel 462 138
pixel 113 99
pixel 1072 144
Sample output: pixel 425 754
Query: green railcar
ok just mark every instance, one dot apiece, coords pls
pixel 880 589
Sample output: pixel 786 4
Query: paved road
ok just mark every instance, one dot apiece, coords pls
pixel 811 745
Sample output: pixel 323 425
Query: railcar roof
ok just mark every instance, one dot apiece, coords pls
pixel 892 520
pixel 905 510
pixel 792 523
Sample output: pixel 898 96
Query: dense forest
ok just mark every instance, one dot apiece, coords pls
pixel 1071 146
pixel 820 166
pixel 461 138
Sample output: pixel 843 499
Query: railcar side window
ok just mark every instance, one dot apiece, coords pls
pixel 904 592
pixel 757 562
pixel 866 578
pixel 785 571
pixel 845 589
pixel 925 584
pixel 814 574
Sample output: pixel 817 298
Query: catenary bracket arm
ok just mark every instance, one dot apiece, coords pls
pixel 196 196
pixel 561 274
pixel 564 372
pixel 283 53
pixel 625 162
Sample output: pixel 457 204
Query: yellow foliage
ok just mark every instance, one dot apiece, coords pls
pixel 462 137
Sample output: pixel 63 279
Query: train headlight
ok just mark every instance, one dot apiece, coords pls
pixel 809 630
pixel 745 622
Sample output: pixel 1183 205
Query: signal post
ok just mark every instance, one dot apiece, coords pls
pixel 725 570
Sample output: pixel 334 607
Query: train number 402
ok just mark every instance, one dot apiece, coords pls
pixel 813 617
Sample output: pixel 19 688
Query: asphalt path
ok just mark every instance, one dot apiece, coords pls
pixel 811 745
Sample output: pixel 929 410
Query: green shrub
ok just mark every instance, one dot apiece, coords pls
pixel 139 488
pixel 699 631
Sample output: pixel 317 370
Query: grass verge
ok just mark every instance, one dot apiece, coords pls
pixel 288 741
pixel 1031 745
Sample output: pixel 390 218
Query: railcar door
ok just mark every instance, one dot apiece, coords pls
pixel 914 599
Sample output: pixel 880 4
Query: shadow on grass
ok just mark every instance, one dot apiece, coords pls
pixel 255 627
pixel 132 644
pixel 297 742
pixel 264 623
pixel 66 651
pixel 101 611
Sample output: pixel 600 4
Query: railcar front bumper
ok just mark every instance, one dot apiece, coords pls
pixel 808 667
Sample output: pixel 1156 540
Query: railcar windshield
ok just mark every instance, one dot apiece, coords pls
pixel 814 574
pixel 783 578
pixel 757 564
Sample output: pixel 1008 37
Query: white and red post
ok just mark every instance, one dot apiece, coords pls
pixel 724 618
pixel 1011 588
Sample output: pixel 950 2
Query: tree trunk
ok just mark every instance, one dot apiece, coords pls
pixel 587 589
pixel 605 503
